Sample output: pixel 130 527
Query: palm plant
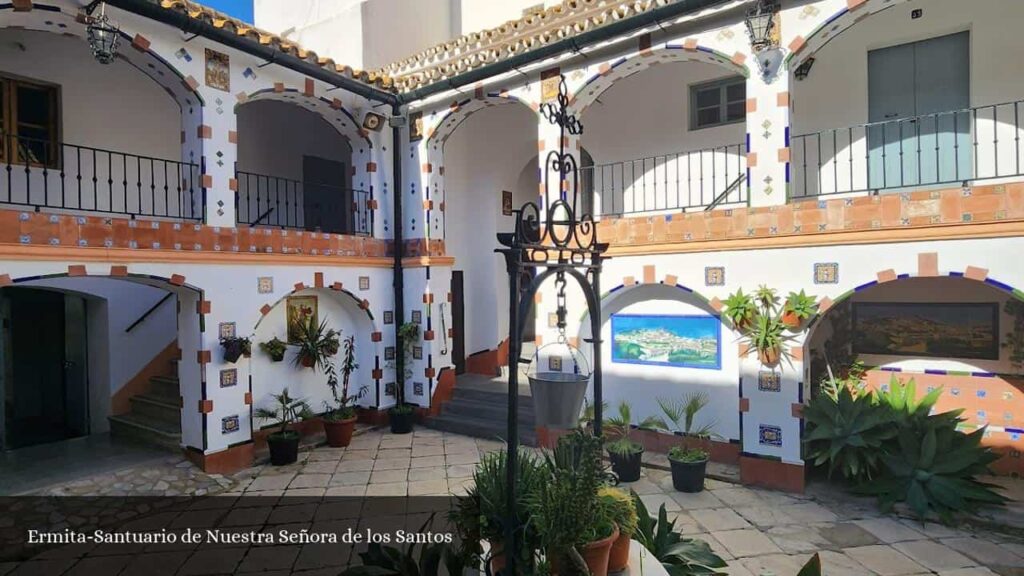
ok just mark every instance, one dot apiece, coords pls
pixel 316 344
pixel 621 425
pixel 682 412
pixel 284 410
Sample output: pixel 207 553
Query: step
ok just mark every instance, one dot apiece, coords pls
pixel 479 428
pixel 487 410
pixel 499 398
pixel 133 427
pixel 165 386
pixel 159 408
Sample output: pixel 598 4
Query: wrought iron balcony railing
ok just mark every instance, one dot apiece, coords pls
pixel 954 147
pixel 697 179
pixel 264 200
pixel 47 174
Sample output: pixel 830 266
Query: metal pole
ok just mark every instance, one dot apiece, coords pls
pixel 595 334
pixel 513 261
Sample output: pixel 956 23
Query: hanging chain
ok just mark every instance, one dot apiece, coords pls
pixel 560 303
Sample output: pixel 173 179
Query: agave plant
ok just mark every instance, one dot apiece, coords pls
pixel 679 556
pixel 901 399
pixel 740 309
pixel 933 471
pixel 847 432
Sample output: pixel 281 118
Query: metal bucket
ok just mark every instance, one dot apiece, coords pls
pixel 557 398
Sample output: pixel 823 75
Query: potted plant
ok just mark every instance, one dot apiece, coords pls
pixel 575 528
pixel 799 307
pixel 340 421
pixel 689 460
pixel 678 555
pixel 481 515
pixel 275 348
pixel 767 337
pixel 284 443
pixel 316 344
pixel 624 452
pixel 740 310
pixel 235 347
pixel 623 513
pixel 401 415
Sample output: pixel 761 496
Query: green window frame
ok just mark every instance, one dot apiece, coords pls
pixel 718 102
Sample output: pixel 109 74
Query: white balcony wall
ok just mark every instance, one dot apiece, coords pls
pixel 647 156
pixel 830 106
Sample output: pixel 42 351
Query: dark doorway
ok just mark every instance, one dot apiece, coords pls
pixel 46 391
pixel 326 198
pixel 458 323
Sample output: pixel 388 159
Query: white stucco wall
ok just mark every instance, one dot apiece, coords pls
pixel 478 167
pixel 268 377
pixel 835 94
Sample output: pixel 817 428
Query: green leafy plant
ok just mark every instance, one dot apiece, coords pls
pixel 800 305
pixel 343 409
pixel 235 347
pixel 679 556
pixel 408 335
pixel 852 378
pixel 623 511
pixel 317 344
pixel 684 454
pixel 482 514
pixel 566 511
pixel 740 309
pixel 848 432
pixel 682 413
pixel 812 567
pixel 275 348
pixel 767 298
pixel 933 471
pixel 621 425
pixel 767 337
pixel 430 560
pixel 285 410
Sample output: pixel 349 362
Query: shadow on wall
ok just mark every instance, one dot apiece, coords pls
pixel 641 384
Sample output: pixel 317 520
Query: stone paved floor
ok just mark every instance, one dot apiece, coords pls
pixel 758 532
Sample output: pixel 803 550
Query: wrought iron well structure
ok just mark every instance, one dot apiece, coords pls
pixel 551 238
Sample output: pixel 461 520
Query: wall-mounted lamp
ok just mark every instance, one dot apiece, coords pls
pixel 760 21
pixel 803 69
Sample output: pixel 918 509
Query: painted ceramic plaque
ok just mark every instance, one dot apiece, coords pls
pixel 301 309
pixel 218 70
pixel 680 341
pixel 935 330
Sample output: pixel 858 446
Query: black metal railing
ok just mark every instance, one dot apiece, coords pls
pixel 679 181
pixel 954 147
pixel 264 200
pixel 47 174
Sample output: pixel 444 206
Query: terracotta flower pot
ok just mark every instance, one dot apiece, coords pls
pixel 595 555
pixel 339 432
pixel 768 357
pixel 618 557
pixel 791 320
pixel 308 361
pixel 497 556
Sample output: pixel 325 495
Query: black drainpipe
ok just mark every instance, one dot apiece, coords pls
pixel 398 249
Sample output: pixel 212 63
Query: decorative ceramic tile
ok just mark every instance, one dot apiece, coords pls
pixel 415 127
pixel 226 330
pixel 218 70
pixel 768 381
pixel 389 317
pixel 389 389
pixel 826 272
pixel 364 282
pixel 228 377
pixel 417 352
pixel 552 320
pixel 555 363
pixel 417 316
pixel 417 388
pixel 265 284
pixel 954 391
pixel 229 424
pixel 389 353
pixel 769 435
pixel 714 276
pixel 981 393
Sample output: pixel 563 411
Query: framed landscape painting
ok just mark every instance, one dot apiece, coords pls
pixel 934 330
pixel 661 340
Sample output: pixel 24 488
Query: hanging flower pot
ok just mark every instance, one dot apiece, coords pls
pixel 791 320
pixel 769 356
pixel 558 378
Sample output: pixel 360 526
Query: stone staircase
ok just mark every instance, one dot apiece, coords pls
pixel 479 408
pixel 155 416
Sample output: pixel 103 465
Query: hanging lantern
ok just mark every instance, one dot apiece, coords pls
pixel 558 376
pixel 103 37
pixel 760 20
